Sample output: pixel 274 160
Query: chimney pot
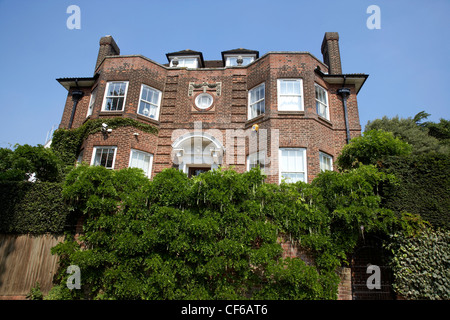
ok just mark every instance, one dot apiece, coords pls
pixel 330 52
pixel 108 47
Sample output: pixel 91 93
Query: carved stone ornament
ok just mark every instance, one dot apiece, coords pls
pixel 205 86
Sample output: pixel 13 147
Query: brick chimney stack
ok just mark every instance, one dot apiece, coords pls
pixel 108 47
pixel 330 52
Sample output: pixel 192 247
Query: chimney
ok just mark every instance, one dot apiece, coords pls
pixel 108 47
pixel 330 52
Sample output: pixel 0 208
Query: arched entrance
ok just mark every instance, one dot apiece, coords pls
pixel 197 152
pixel 369 252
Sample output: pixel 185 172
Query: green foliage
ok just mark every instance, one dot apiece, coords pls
pixel 35 293
pixel 371 148
pixel 440 131
pixel 66 143
pixel 215 236
pixel 26 161
pixel 421 264
pixel 423 187
pixel 58 292
pixel 423 137
pixel 36 208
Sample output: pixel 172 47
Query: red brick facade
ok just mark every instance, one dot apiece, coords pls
pixel 227 118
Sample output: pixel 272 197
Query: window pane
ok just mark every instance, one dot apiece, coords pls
pixel 292 164
pixel 142 160
pixel 326 162
pixel 109 163
pixel 290 103
pixel 104 157
pixel 97 157
pixel 155 97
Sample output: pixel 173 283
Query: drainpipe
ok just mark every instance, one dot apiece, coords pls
pixel 76 96
pixel 345 92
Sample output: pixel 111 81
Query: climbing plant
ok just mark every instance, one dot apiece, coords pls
pixel 67 142
pixel 215 236
pixel 421 264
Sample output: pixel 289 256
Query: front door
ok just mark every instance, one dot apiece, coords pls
pixel 195 171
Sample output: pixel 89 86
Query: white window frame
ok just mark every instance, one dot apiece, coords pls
pixel 92 102
pixel 323 155
pixel 260 158
pixel 280 96
pixel 94 152
pixel 256 102
pixel 326 104
pixel 198 100
pixel 230 58
pixel 158 105
pixel 106 96
pixel 182 62
pixel 305 165
pixel 150 166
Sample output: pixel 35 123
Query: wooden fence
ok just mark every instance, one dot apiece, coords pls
pixel 25 260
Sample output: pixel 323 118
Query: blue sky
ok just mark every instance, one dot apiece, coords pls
pixel 407 59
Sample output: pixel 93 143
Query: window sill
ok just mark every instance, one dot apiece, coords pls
pixel 110 113
pixel 147 119
pixel 324 120
pixel 255 119
pixel 295 113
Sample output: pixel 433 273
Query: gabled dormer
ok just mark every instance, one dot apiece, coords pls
pixel 239 57
pixel 186 59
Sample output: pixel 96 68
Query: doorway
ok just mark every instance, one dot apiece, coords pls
pixel 195 171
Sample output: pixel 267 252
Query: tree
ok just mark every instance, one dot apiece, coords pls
pixel 370 148
pixel 424 137
pixel 26 162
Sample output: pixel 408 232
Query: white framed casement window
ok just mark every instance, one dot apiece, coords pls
pixel 257 159
pixel 115 96
pixel 185 62
pixel 326 161
pixel 322 102
pixel 91 102
pixel 292 165
pixel 290 94
pixel 231 61
pixel 142 160
pixel 256 101
pixel 104 156
pixel 149 103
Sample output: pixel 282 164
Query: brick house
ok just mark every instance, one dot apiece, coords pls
pixel 288 112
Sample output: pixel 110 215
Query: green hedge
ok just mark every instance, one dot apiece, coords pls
pixel 423 188
pixel 37 208
pixel 421 265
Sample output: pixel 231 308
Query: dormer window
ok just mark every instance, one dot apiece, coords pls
pixel 239 57
pixel 184 62
pixel 185 59
pixel 232 61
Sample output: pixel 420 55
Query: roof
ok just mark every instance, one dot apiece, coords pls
pixel 77 81
pixel 187 52
pixel 241 51
pixel 358 79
